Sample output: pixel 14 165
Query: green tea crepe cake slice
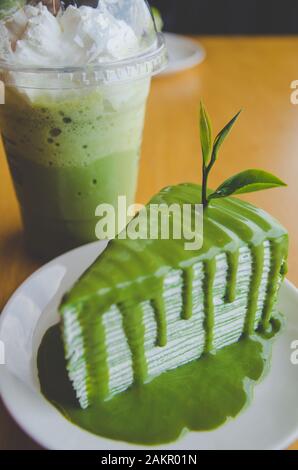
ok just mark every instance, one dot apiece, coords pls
pixel 148 306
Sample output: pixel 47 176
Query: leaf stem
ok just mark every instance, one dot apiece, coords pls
pixel 204 186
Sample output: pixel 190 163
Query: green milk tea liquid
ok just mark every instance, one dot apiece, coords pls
pixel 68 152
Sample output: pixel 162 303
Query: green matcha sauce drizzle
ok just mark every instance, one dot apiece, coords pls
pixel 209 275
pixel 134 330
pixel 187 293
pixel 160 318
pixel 257 253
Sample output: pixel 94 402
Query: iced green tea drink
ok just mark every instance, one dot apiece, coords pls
pixel 69 154
pixel 73 134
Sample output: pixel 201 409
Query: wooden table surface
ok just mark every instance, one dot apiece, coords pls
pixel 249 73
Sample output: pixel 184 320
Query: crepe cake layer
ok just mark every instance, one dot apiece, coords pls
pixel 160 318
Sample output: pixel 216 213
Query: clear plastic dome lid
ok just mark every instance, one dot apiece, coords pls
pixel 137 15
pixel 116 39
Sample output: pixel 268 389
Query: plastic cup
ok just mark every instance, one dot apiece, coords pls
pixel 73 135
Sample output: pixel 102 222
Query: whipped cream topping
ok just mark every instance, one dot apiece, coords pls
pixel 77 36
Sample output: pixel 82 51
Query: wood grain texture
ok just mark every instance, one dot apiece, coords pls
pixel 249 73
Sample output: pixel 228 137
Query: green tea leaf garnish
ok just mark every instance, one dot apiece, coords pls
pixel 222 136
pixel 246 182
pixel 206 134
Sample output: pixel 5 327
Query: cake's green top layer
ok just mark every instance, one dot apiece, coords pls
pixel 133 270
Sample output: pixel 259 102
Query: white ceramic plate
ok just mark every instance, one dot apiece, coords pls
pixel 183 53
pixel 271 422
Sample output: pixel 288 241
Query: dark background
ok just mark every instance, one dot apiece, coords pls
pixel 225 16
pixel 229 16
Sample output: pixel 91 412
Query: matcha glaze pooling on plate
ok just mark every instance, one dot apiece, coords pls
pixel 130 272
pixel 198 396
